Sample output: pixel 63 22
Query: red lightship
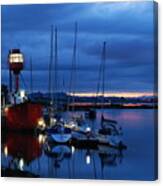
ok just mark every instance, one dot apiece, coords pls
pixel 21 114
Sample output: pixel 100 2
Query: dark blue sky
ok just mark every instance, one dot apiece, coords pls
pixel 126 27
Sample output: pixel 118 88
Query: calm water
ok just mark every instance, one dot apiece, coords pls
pixel 137 162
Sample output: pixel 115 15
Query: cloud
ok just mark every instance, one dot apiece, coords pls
pixel 126 27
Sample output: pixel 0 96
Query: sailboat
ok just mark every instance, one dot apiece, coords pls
pixel 110 131
pixel 56 131
pixel 51 113
pixel 75 119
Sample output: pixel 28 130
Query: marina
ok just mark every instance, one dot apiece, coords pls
pixel 58 130
pixel 79 92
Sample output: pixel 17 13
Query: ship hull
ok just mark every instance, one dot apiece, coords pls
pixel 23 116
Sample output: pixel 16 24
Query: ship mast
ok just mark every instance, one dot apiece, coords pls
pixel 10 80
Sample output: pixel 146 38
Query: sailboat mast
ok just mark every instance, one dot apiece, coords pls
pixel 101 78
pixel 55 85
pixel 56 58
pixel 73 70
pixel 51 62
pixel 103 72
pixel 74 59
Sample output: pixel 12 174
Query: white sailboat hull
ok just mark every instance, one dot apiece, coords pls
pixel 61 138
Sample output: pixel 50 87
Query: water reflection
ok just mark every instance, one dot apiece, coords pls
pixel 81 158
pixel 21 164
pixel 20 150
pixel 35 155
pixel 41 139
pixel 6 150
pixel 23 151
pixel 88 158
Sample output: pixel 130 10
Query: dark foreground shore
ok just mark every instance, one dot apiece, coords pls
pixel 7 172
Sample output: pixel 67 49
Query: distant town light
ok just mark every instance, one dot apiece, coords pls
pixel 113 94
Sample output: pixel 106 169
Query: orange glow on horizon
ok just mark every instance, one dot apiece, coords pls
pixel 115 94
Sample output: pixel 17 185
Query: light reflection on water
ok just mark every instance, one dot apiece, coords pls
pixel 61 161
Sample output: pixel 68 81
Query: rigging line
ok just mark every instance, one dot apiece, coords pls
pixel 23 81
pixel 63 84
pixel 31 76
